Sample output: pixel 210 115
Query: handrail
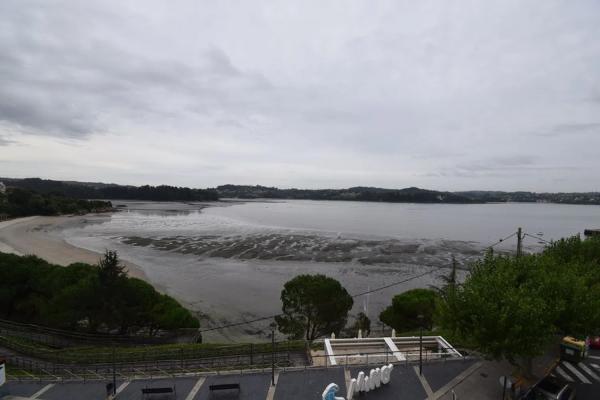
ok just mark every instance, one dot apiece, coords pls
pixel 99 336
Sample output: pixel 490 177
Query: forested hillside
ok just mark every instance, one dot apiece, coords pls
pixel 86 190
pixel 408 195
pixel 18 202
pixel 96 190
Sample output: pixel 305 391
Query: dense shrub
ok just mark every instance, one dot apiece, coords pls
pixel 514 308
pixel 77 297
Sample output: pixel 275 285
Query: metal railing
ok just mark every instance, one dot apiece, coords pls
pixel 142 354
pixel 59 337
pixel 27 369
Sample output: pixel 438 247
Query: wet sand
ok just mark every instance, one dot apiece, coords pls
pixel 228 261
pixel 42 236
pixel 314 248
pixel 228 273
pixel 228 279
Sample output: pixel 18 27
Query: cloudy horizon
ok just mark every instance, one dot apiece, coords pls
pixel 465 95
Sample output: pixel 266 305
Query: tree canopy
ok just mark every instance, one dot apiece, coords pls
pixel 78 297
pixel 110 269
pixel 407 195
pixel 21 202
pixel 83 190
pixel 514 307
pixel 362 323
pixel 313 306
pixel 403 314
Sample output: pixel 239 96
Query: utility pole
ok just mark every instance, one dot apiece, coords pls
pixel 420 318
pixel 114 372
pixel 519 242
pixel 272 355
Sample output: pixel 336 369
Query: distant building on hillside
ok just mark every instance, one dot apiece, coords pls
pixel 2 188
pixel 591 232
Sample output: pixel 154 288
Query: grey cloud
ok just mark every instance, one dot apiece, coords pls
pixel 64 86
pixel 6 142
pixel 414 93
pixel 498 163
pixel 506 166
pixel 74 99
pixel 573 129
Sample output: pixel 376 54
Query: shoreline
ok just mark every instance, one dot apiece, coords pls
pixel 41 236
pixel 227 273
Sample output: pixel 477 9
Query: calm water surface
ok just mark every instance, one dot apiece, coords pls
pixel 234 287
pixel 473 222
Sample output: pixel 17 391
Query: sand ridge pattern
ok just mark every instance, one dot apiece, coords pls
pixel 313 248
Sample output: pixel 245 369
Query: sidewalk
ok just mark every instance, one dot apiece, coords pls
pixel 484 382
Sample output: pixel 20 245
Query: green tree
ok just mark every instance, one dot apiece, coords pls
pixel 363 323
pixel 22 202
pixel 75 298
pixel 451 279
pixel 514 308
pixel 110 268
pixel 313 306
pixel 403 314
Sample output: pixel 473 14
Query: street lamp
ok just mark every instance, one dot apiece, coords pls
pixel 420 318
pixel 114 377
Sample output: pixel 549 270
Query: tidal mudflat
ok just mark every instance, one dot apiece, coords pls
pixel 313 248
pixel 228 261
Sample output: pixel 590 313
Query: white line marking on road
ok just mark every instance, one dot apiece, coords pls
pixel 456 381
pixel 271 392
pixel 595 366
pixel 595 357
pixel 42 391
pixel 588 371
pixel 424 382
pixel 562 373
pixel 574 370
pixel 122 386
pixel 196 388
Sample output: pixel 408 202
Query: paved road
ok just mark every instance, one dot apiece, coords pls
pixel 291 385
pixel 584 375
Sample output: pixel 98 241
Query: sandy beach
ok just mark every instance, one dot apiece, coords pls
pixel 41 236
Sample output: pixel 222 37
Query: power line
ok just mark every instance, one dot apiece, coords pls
pixel 502 240
pixel 240 323
pixel 394 284
pixel 353 296
pixel 538 238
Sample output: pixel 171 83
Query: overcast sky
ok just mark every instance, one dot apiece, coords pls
pixel 447 95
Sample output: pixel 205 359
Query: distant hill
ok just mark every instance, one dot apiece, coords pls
pixel 533 197
pixel 408 195
pixel 98 190
pixel 94 190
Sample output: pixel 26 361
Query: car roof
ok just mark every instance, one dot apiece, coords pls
pixel 551 384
